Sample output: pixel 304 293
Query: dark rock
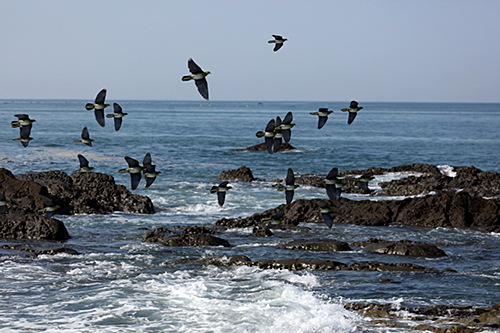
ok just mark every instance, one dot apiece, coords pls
pixel 243 174
pixel 316 245
pixel 168 238
pixel 297 264
pixel 31 226
pixel 40 251
pixel 403 247
pixel 380 266
pixel 262 147
pixel 262 231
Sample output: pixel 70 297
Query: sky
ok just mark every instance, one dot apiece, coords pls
pixel 367 50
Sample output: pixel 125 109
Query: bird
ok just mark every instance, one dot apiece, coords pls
pixel 23 121
pixel 330 184
pixel 325 211
pixel 98 106
pixel 198 75
pixel 221 191
pixel 278 40
pixel 117 114
pixel 363 181
pixel 278 136
pixel 277 218
pixel 268 135
pixel 353 111
pixel 49 211
pixel 84 164
pixel 286 126
pixel 322 114
pixel 3 203
pixel 85 137
pixel 149 173
pixel 135 171
pixel 24 137
pixel 289 186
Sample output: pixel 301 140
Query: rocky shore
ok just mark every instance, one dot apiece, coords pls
pixel 79 193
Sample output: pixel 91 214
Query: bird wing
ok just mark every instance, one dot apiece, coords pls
pixel 221 196
pixel 287 135
pixel 279 215
pixel 277 46
pixel 99 116
pixel 277 122
pixel 25 131
pixel 277 37
pixel 2 197
pixel 224 184
pixel 277 144
pixel 322 121
pixel 149 181
pixel 147 160
pixel 118 123
pixel 290 178
pixel 289 196
pixel 353 105
pixel 202 85
pixel 22 116
pixel 117 108
pixel 84 163
pixel 3 209
pixel 288 118
pixel 332 174
pixel 269 144
pixel 270 126
pixel 135 178
pixel 328 219
pixel 331 192
pixel 363 185
pixel 132 163
pixel 101 96
pixel 85 133
pixel 193 67
pixel 352 115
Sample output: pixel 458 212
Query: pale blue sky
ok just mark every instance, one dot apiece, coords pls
pixel 423 51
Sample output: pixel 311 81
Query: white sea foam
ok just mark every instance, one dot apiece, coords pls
pixel 447 170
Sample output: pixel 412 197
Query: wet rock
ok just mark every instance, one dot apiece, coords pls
pixel 40 251
pixel 262 147
pixel 188 238
pixel 297 264
pixel 243 174
pixel 316 245
pixel 31 226
pixel 402 247
pixel 262 231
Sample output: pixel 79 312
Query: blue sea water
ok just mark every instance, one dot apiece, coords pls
pixel 120 284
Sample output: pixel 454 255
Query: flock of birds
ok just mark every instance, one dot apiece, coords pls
pixel 275 132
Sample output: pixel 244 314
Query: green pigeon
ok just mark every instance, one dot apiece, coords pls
pixel 3 203
pixel 149 173
pixel 330 182
pixel 325 211
pixel 49 211
pixel 85 137
pixel 289 186
pixel 278 135
pixel 23 120
pixel 278 40
pixel 363 181
pixel 277 218
pixel 118 114
pixel 322 114
pixel 221 191
pixel 135 171
pixel 353 111
pixel 286 126
pixel 268 135
pixel 84 164
pixel 98 106
pixel 198 75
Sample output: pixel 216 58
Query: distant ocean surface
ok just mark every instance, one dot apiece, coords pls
pixel 119 283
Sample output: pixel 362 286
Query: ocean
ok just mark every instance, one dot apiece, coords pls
pixel 119 284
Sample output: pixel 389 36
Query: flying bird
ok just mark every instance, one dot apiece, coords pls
pixel 322 114
pixel 198 75
pixel 135 171
pixel 221 191
pixel 149 173
pixel 98 106
pixel 363 181
pixel 286 126
pixel 353 111
pixel 330 184
pixel 325 211
pixel 49 211
pixel 84 164
pixel 85 137
pixel 278 135
pixel 117 114
pixel 277 218
pixel 23 121
pixel 268 135
pixel 278 40
pixel 3 203
pixel 289 186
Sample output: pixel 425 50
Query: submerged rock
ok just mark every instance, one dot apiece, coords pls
pixel 262 147
pixel 403 247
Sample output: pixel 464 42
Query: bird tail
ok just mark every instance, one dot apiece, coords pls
pixel 271 41
pixel 259 134
pixel 213 189
pixel 110 115
pixel 89 106
pixel 15 124
pixel 186 78
pixel 122 171
pixel 79 140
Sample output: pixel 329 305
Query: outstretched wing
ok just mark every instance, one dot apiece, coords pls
pixel 202 85
pixel 193 67
pixel 288 118
pixel 99 116
pixel 322 121
pixel 328 219
pixel 290 178
pixel 147 160
pixel 84 163
pixel 135 178
pixel 117 108
pixel 101 96
pixel 332 174
pixel 221 197
pixel 289 196
pixel 85 133
pixel 132 163
pixel 352 115
pixel 277 46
